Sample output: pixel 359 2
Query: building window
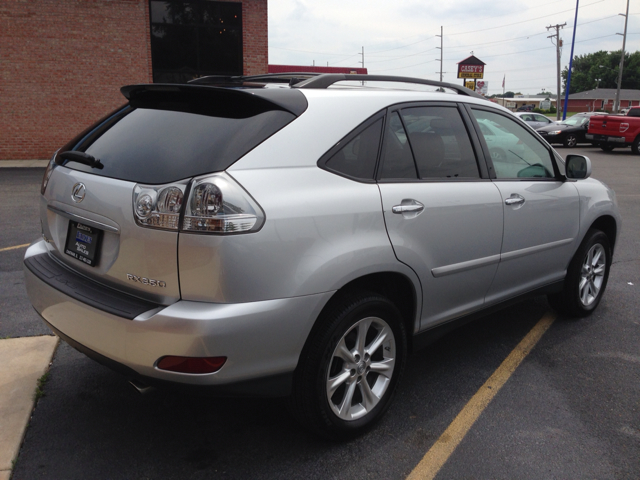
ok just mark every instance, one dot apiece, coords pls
pixel 190 39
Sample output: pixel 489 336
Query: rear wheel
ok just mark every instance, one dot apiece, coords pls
pixel 607 148
pixel 570 141
pixel 587 277
pixel 349 370
pixel 635 146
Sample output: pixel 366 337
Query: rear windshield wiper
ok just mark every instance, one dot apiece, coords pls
pixel 79 157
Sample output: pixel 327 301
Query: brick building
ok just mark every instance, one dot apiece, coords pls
pixel 62 62
pixel 601 99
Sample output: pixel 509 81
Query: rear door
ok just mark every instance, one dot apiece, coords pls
pixel 115 219
pixel 98 237
pixel 443 216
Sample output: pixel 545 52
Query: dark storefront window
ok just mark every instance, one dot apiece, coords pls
pixel 193 38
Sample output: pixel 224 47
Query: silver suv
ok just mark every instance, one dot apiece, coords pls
pixel 249 236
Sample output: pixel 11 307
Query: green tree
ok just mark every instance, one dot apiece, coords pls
pixel 600 70
pixel 506 95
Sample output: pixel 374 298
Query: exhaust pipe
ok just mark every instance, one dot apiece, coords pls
pixel 141 387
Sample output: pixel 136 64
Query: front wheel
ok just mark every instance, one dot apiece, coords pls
pixel 570 141
pixel 586 278
pixel 635 146
pixel 350 367
pixel 607 148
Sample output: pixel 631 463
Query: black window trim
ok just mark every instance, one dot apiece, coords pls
pixel 322 162
pixel 485 148
pixel 475 144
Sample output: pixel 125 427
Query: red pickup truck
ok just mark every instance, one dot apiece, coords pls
pixel 615 131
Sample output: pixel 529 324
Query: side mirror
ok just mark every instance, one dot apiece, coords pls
pixel 578 167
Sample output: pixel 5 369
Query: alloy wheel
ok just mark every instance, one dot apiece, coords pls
pixel 361 368
pixel 592 274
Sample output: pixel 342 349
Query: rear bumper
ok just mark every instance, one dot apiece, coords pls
pixel 261 340
pixel 606 139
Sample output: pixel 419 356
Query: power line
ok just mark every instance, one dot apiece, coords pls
pixel 524 21
pixel 543 48
pixel 408 66
pixel 504 14
pixel 391 59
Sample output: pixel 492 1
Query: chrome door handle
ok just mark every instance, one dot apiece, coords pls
pixel 514 199
pixel 407 208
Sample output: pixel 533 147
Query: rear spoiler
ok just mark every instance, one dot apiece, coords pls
pixel 289 100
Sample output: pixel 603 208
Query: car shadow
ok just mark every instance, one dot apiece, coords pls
pixel 92 424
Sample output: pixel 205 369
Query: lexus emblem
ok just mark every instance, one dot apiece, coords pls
pixel 77 192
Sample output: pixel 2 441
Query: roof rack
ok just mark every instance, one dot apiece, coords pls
pixel 321 80
pixel 292 78
pixel 328 79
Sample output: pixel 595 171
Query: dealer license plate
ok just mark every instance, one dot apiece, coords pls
pixel 83 243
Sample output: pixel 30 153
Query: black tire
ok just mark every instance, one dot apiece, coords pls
pixel 586 278
pixel 570 141
pixel 635 146
pixel 607 148
pixel 313 402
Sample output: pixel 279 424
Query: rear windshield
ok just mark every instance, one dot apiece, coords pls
pixel 165 137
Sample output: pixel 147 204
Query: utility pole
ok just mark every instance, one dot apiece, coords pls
pixel 573 42
pixel 616 106
pixel 441 50
pixel 558 45
pixel 362 62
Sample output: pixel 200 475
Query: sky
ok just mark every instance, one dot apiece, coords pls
pixel 400 37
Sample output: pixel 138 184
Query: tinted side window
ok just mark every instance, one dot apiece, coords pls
pixel 397 160
pixel 515 152
pixel 358 157
pixel 440 143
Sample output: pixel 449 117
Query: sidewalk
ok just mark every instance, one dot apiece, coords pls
pixel 24 361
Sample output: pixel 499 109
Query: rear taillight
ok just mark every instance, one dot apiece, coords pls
pixel 47 173
pixel 158 206
pixel 215 204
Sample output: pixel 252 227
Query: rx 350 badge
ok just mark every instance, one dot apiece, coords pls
pixel 146 281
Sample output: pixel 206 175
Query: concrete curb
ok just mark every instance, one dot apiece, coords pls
pixel 23 164
pixel 24 361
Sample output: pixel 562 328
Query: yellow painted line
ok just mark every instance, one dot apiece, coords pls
pixel 14 247
pixel 440 452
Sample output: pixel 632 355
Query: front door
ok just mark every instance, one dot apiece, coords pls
pixel 541 211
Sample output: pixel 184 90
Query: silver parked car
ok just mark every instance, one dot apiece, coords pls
pixel 536 120
pixel 247 236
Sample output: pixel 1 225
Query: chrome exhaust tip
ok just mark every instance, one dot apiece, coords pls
pixel 141 387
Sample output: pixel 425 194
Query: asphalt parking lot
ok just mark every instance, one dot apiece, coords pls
pixel 570 410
